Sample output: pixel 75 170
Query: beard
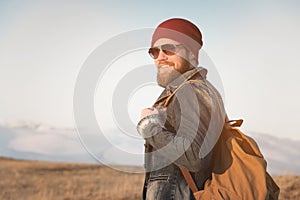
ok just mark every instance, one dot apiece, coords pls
pixel 166 74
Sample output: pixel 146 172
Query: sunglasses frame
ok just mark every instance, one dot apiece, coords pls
pixel 168 49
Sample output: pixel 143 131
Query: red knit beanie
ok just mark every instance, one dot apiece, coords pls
pixel 182 31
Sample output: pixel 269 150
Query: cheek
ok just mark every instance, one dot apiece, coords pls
pixel 178 64
pixel 181 66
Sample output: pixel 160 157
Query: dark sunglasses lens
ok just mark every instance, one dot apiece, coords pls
pixel 154 52
pixel 168 49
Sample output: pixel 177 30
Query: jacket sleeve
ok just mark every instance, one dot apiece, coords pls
pixel 192 109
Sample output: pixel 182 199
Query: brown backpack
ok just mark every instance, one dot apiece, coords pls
pixel 239 168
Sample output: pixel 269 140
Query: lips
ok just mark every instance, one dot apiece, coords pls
pixel 164 66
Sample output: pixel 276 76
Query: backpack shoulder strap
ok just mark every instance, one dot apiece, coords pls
pixel 189 179
pixel 180 86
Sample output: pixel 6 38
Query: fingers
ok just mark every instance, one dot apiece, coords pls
pixel 148 111
pixel 152 111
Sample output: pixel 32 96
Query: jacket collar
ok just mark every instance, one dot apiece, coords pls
pixel 188 75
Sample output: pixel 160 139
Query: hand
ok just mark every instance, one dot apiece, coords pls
pixel 148 111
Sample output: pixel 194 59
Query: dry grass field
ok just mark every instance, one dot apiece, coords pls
pixel 44 180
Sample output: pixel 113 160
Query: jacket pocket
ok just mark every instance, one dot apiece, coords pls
pixel 158 178
pixel 160 187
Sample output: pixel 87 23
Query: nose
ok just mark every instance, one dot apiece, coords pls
pixel 161 56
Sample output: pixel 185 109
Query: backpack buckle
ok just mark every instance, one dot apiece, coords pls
pixel 235 123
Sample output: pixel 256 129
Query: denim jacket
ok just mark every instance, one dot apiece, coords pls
pixel 183 136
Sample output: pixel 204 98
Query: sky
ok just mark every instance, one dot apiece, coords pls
pixel 252 44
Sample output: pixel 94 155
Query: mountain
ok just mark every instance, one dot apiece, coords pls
pixel 32 141
pixel 281 154
pixel 24 140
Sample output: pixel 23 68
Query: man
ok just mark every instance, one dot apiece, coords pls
pixel 185 122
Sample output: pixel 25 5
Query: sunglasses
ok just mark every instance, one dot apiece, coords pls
pixel 168 49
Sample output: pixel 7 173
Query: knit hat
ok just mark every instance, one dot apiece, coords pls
pixel 182 31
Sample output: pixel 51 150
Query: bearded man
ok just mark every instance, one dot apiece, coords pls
pixel 183 125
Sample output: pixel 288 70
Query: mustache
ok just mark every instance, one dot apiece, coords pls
pixel 160 64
